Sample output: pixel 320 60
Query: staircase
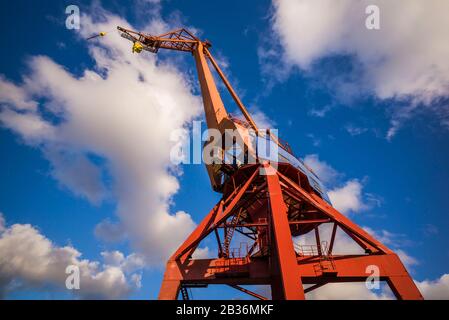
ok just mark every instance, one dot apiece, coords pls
pixel 230 233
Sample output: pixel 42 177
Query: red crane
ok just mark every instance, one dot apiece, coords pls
pixel 268 203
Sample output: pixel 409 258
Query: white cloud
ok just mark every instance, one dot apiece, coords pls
pixel 407 259
pixel 348 291
pixel 348 198
pixel 355 131
pixel 202 253
pixel 390 238
pixel 29 259
pixel 15 96
pixel 435 290
pixel 324 171
pixel 343 244
pixel 261 119
pixel 405 60
pixel 109 231
pixel 78 174
pixel 396 241
pixel 430 289
pixel 122 111
pixel 30 125
pixel 128 264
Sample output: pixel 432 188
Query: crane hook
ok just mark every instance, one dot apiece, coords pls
pixel 137 47
pixel 101 34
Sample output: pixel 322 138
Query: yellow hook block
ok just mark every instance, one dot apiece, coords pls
pixel 137 47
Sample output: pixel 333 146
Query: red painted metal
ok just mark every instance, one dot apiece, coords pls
pixel 275 262
pixel 284 257
pixel 271 207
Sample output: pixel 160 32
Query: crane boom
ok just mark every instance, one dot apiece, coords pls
pixel 183 40
pixel 216 114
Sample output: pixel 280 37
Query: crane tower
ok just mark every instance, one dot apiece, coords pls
pixel 270 203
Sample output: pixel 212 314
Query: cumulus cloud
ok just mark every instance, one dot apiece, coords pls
pixel 348 291
pixel 15 96
pixel 407 259
pixel 325 172
pixel 202 253
pixel 128 264
pixel 261 119
pixel 405 61
pixel 109 231
pixel 391 238
pixel 30 260
pixel 397 242
pixel 30 125
pixel 348 198
pixel 435 290
pixel 114 119
pixel 66 168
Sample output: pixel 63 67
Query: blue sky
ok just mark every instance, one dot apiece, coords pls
pixel 401 180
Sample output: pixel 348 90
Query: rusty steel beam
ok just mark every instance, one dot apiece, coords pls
pixel 196 236
pixel 324 207
pixel 290 278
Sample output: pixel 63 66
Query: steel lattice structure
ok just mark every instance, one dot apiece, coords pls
pixel 269 204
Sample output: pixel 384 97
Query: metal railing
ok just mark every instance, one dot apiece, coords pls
pixel 237 257
pixel 325 262
pixel 311 249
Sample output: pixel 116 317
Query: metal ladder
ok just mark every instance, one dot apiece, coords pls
pixel 230 233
